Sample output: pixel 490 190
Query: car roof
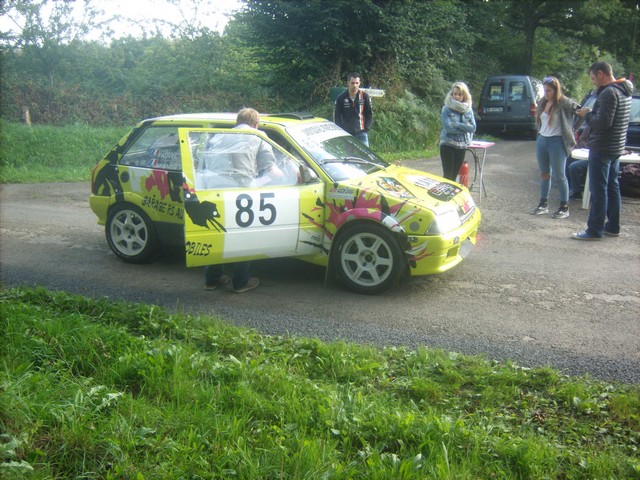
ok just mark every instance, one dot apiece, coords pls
pixel 265 118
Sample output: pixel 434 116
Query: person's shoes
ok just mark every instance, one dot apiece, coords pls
pixel 576 196
pixel 221 282
pixel 251 284
pixel 541 209
pixel 562 212
pixel 584 236
pixel 611 234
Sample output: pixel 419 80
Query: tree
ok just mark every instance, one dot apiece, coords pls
pixel 308 46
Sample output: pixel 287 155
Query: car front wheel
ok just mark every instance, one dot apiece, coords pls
pixel 130 234
pixel 368 258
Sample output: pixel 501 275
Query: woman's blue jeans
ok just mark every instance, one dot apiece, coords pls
pixel 604 213
pixel 552 158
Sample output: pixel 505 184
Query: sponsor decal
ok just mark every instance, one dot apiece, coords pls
pixel 393 187
pixel 439 190
pixel 341 192
pixel 166 208
pixel 204 214
pixel 198 249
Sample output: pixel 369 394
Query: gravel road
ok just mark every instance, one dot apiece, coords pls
pixel 528 292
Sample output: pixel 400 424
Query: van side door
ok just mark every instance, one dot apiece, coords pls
pixel 494 111
pixel 518 101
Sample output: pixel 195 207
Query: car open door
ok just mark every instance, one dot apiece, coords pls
pixel 230 218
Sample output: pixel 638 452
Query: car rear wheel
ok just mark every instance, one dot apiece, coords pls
pixel 368 258
pixel 130 234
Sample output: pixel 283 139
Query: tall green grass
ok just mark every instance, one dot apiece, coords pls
pixel 107 390
pixel 43 153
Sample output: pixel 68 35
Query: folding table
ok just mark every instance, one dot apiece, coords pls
pixel 474 147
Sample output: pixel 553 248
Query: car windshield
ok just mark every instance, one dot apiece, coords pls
pixel 340 155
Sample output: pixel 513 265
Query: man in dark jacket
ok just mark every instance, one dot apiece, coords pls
pixel 352 110
pixel 608 123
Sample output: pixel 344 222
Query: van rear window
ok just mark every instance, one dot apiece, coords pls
pixel 517 92
pixel 496 92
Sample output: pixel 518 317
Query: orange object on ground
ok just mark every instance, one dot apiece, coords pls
pixel 463 174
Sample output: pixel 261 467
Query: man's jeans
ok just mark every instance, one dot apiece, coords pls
pixel 604 213
pixel 363 137
pixel 241 274
pixel 577 173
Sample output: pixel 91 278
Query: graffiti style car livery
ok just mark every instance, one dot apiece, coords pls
pixel 337 204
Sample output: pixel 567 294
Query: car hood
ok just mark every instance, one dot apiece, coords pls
pixel 422 189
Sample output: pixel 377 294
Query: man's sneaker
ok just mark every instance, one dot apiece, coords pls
pixel 251 284
pixel 222 281
pixel 562 212
pixel 584 236
pixel 540 210
pixel 611 234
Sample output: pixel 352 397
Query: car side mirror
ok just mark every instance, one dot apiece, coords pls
pixel 307 175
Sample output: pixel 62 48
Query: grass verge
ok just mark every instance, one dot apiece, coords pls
pixel 44 153
pixel 100 389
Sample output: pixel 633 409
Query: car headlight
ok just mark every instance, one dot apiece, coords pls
pixel 445 222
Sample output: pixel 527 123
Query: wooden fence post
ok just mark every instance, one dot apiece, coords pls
pixel 26 117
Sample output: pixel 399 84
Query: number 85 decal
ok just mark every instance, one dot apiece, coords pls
pixel 245 216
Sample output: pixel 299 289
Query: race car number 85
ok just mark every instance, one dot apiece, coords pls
pixel 245 215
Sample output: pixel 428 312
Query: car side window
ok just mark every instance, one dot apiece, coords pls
pixel 239 160
pixel 156 147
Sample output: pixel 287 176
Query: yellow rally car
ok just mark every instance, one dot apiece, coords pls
pixel 337 203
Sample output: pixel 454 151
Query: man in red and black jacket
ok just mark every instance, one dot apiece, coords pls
pixel 352 110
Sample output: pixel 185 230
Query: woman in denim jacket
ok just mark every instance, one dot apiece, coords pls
pixel 458 125
pixel 554 117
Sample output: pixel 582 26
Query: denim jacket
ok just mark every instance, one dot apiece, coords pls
pixel 457 128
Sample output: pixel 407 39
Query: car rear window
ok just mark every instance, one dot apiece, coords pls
pixel 157 147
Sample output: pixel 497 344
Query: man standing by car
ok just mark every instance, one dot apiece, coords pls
pixel 251 155
pixel 352 110
pixel 608 123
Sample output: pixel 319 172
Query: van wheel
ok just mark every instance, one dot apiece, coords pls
pixel 368 258
pixel 130 234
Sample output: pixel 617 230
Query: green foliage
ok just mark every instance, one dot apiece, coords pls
pixel 285 56
pixel 103 389
pixel 44 153
pixel 404 124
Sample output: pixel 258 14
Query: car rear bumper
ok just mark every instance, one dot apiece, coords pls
pixel 100 206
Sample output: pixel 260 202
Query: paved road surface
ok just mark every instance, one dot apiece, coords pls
pixel 527 292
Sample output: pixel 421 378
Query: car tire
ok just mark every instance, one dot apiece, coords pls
pixel 130 234
pixel 368 258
